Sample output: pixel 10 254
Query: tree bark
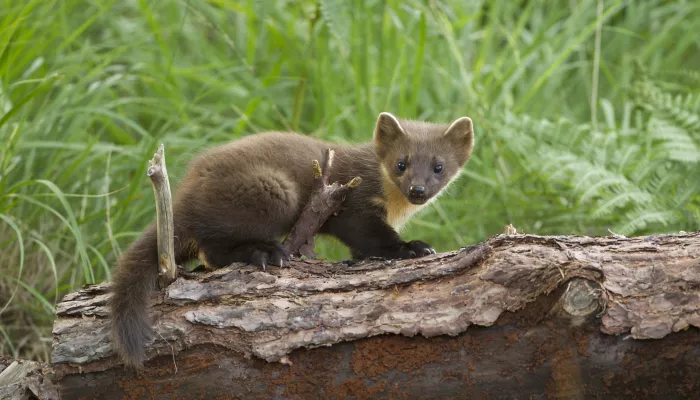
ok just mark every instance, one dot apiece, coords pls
pixel 560 311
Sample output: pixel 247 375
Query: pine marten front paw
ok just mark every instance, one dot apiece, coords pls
pixel 415 249
pixel 421 249
pixel 268 253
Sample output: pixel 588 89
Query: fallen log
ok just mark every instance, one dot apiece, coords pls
pixel 517 316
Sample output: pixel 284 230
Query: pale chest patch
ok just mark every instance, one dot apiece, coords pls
pixel 398 209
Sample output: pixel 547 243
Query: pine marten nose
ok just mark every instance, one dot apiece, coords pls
pixel 416 190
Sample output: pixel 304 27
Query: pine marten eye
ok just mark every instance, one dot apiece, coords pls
pixel 438 168
pixel 401 166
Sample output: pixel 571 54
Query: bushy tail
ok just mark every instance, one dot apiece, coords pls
pixel 132 286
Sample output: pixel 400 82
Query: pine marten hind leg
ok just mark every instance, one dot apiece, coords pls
pixel 241 217
pixel 219 254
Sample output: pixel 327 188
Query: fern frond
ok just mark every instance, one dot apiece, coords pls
pixel 682 110
pixel 676 141
pixel 640 219
pixel 632 177
pixel 622 199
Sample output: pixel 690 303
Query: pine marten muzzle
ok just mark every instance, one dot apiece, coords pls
pixel 238 200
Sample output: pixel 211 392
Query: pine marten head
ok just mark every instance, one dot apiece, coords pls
pixel 421 158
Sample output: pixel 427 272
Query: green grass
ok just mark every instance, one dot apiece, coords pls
pixel 88 89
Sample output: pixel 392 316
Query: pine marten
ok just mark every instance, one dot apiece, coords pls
pixel 237 200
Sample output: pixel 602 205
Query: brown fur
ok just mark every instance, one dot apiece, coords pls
pixel 237 200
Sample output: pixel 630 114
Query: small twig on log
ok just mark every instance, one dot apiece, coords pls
pixel 509 230
pixel 158 173
pixel 324 201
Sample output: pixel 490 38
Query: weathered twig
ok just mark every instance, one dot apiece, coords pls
pixel 325 200
pixel 158 173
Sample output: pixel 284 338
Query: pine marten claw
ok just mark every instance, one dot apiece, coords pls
pixel 420 248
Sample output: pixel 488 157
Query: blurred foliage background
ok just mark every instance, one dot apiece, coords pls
pixel 586 113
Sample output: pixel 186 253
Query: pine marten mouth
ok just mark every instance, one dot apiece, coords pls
pixel 417 200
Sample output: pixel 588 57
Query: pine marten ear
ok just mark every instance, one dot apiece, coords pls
pixel 386 132
pixel 461 137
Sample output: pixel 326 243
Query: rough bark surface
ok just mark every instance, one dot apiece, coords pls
pixel 223 324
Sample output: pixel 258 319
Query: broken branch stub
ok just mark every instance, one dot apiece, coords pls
pixel 158 173
pixel 25 379
pixel 325 200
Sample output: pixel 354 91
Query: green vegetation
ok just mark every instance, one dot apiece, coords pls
pixel 89 88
